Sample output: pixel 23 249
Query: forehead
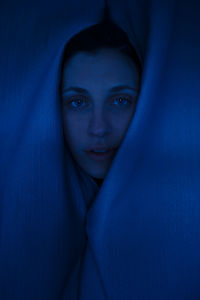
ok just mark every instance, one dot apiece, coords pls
pixel 106 67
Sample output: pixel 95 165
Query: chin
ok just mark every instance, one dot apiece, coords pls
pixel 95 174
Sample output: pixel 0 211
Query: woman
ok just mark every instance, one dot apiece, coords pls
pixel 100 87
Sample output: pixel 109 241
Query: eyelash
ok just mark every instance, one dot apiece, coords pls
pixel 78 98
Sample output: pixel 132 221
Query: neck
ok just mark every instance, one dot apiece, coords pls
pixel 99 181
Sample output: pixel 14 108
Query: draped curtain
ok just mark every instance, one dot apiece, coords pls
pixel 139 239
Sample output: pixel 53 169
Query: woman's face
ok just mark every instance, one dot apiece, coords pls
pixel 99 93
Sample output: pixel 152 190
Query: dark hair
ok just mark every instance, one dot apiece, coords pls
pixel 105 34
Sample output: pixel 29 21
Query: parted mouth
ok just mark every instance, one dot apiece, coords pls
pixel 100 149
pixel 102 155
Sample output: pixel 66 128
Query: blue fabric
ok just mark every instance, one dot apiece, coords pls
pixel 138 237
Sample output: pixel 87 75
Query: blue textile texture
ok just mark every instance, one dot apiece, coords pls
pixel 139 239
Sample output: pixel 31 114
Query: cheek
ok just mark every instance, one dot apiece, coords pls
pixel 73 129
pixel 122 122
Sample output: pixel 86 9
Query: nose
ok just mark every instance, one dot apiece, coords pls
pixel 98 125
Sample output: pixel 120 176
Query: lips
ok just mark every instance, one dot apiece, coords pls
pixel 101 156
pixel 100 148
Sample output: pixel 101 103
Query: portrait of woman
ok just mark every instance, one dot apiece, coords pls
pixel 100 87
pixel 100 150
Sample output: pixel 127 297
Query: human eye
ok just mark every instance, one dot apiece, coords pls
pixel 122 101
pixel 77 102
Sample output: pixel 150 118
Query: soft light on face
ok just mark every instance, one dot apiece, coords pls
pixel 99 95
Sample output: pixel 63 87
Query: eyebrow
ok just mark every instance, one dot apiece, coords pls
pixel 117 88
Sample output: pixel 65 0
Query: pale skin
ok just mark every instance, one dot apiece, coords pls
pixel 99 94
